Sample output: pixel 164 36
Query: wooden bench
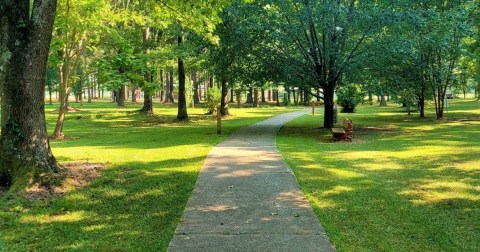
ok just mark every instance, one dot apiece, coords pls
pixel 343 133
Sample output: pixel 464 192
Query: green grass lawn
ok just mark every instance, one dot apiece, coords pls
pixel 138 200
pixel 404 184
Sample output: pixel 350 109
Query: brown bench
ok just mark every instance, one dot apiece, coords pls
pixel 343 133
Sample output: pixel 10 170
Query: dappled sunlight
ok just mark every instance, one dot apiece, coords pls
pixel 66 217
pixel 411 179
pixel 97 227
pixel 434 191
pixel 293 197
pixel 469 166
pixel 216 208
pixel 238 173
pixel 341 173
pixel 338 190
pixel 322 203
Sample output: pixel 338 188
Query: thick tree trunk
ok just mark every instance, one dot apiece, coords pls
pixel 383 101
pixel 24 144
pixel 263 94
pixel 182 101
pixel 250 96
pixel 328 120
pixel 238 95
pixel 224 100
pixel 255 98
pixel 147 104
pixel 121 96
pixel 134 94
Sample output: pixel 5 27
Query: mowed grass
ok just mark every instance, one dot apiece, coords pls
pixel 404 184
pixel 136 203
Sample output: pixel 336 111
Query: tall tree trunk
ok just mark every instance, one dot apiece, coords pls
pixel 24 146
pixel 210 83
pixel 224 100
pixel 277 98
pixel 263 94
pixel 147 93
pixel 171 99
pixel 121 96
pixel 250 96
pixel 269 95
pixel 196 89
pixel 328 119
pixel 162 83
pixel 294 96
pixel 421 103
pixel 255 97
pixel 134 94
pixel 182 101
pixel 232 93
pixel 383 101
pixel 63 98
pixel 288 95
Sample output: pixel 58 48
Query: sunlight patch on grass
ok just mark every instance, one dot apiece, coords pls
pixel 409 184
pixel 95 227
pixel 338 190
pixel 340 173
pixel 433 191
pixel 322 203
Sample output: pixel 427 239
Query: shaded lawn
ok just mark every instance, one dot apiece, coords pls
pixel 137 202
pixel 404 184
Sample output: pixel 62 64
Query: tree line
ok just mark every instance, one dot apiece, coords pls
pixel 415 51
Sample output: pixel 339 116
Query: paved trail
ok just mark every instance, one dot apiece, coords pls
pixel 247 199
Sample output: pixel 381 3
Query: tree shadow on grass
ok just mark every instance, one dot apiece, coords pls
pixel 125 209
pixel 412 188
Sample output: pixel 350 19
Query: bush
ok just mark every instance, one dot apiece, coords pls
pixel 213 99
pixel 349 96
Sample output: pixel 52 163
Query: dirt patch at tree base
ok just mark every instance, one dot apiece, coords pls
pixel 73 175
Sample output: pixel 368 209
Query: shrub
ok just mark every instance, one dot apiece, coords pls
pixel 349 96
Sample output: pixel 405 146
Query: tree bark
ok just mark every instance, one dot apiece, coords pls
pixel 196 89
pixel 121 96
pixel 170 97
pixel 255 97
pixel 182 101
pixel 263 94
pixel 24 145
pixel 250 96
pixel 224 100
pixel 232 94
pixel 134 94
pixel 328 93
pixel 147 92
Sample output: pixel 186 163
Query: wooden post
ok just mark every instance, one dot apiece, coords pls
pixel 313 108
pixel 219 121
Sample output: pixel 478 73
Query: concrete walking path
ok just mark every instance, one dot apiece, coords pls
pixel 247 199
